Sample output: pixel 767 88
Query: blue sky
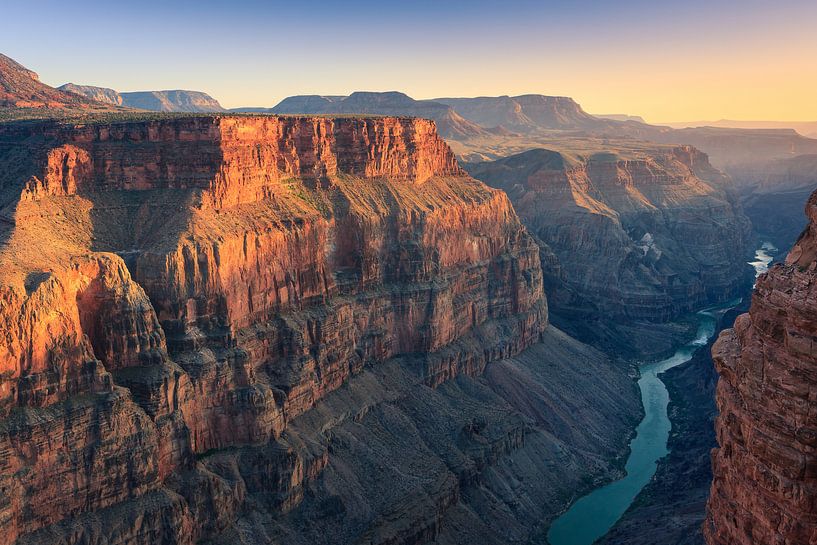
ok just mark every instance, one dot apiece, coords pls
pixel 743 59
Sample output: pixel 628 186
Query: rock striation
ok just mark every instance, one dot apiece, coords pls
pixel 764 485
pixel 219 327
pixel 644 236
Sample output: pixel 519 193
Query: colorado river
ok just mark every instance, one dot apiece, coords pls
pixel 592 516
pixel 763 257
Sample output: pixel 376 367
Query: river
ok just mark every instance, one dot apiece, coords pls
pixel 592 516
pixel 763 257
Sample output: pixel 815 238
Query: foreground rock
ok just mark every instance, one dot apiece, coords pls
pixel 221 328
pixel 764 483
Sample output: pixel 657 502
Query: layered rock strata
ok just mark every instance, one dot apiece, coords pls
pixel 642 236
pixel 204 319
pixel 765 476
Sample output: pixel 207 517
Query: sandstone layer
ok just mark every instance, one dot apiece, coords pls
pixel 765 469
pixel 218 327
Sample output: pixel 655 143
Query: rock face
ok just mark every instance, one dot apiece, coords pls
pixel 219 328
pixel 155 101
pixel 640 236
pixel 765 485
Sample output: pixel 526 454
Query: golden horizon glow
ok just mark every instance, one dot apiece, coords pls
pixel 701 60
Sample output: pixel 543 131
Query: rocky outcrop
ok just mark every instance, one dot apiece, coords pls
pixel 649 234
pixel 220 327
pixel 764 483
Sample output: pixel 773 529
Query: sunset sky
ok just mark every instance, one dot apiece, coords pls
pixel 665 61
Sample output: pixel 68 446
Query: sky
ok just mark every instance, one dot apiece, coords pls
pixel 666 61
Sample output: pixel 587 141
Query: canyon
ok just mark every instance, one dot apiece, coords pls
pixel 379 320
pixel 221 327
pixel 629 240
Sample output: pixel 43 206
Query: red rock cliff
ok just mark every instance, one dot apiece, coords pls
pixel 765 471
pixel 238 160
pixel 173 288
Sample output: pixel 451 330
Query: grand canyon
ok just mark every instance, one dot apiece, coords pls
pixel 367 318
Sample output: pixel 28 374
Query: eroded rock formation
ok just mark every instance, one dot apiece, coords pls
pixel 765 470
pixel 638 235
pixel 219 327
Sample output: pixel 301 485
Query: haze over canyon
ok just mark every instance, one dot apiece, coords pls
pixel 367 318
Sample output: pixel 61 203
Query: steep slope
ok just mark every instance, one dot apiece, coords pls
pixel 449 123
pixel 220 327
pixel 764 479
pixel 637 235
pixel 155 101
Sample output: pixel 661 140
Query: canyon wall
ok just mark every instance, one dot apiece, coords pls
pixel 765 469
pixel 205 319
pixel 644 236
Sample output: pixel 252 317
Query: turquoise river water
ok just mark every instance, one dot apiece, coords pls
pixel 592 516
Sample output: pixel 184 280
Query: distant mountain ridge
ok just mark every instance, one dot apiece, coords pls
pixel 529 113
pixel 176 100
pixel 805 128
pixel 487 128
pixel 622 117
pixel 449 123
pixel 22 88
